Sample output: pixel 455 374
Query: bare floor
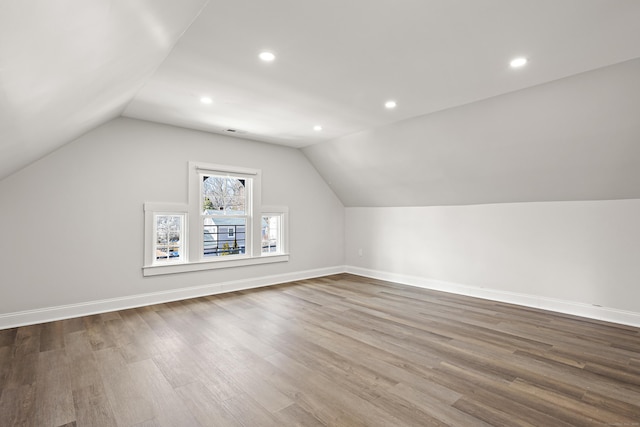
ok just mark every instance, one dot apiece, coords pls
pixel 340 350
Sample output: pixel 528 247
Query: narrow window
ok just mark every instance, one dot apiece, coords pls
pixel 169 238
pixel 274 231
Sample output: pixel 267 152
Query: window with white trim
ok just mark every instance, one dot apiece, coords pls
pixel 273 230
pixel 169 242
pixel 222 226
pixel 166 231
pixel 225 214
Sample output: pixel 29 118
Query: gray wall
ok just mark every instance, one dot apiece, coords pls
pixel 573 252
pixel 534 175
pixel 73 221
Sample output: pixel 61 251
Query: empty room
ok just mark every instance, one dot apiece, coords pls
pixel 337 213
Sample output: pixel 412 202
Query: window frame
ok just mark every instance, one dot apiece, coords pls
pixel 283 232
pixel 230 230
pixel 194 244
pixel 151 211
pixel 253 187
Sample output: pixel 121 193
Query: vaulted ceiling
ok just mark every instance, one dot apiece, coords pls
pixel 67 66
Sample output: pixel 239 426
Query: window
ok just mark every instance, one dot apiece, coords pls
pixel 222 226
pixel 169 241
pixel 225 214
pixel 166 231
pixel 273 230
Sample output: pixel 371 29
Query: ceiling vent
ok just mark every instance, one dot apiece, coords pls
pixel 235 131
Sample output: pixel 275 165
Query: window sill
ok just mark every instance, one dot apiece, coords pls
pixel 156 270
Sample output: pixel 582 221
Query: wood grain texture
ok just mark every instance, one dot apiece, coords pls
pixel 334 351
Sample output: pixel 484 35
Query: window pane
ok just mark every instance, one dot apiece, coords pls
pixel 223 195
pixel 162 253
pixel 271 225
pixel 169 238
pixel 224 236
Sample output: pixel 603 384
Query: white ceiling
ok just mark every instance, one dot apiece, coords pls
pixel 67 66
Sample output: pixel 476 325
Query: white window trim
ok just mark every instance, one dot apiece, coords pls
pixel 252 230
pixel 193 227
pixel 152 209
pixel 155 270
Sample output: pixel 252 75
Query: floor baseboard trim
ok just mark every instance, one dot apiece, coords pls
pixel 49 314
pixel 561 306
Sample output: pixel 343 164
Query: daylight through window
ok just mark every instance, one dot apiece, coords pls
pixel 169 241
pixel 226 215
pixel 223 225
pixel 271 233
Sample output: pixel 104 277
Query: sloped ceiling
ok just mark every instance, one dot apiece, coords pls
pixel 68 66
pixel 576 138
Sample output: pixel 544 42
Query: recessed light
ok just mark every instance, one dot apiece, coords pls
pixel 518 62
pixel 206 100
pixel 390 104
pixel 267 56
pixel 317 128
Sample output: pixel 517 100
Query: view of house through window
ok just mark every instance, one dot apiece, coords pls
pixel 225 215
pixel 169 243
pixel 225 224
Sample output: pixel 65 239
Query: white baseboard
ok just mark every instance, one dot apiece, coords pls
pixel 567 307
pixel 48 314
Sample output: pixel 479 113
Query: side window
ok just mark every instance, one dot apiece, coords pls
pixel 166 234
pixel 274 225
pixel 169 237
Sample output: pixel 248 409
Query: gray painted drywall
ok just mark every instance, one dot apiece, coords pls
pixel 585 252
pixel 572 139
pixel 73 221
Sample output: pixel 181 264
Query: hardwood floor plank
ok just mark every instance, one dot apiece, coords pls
pixel 249 413
pixel 261 391
pixel 294 415
pixel 52 336
pixel 8 337
pixel 23 370
pixel 17 406
pixel 125 396
pixel 498 395
pixel 81 357
pixel 54 401
pixel 334 394
pixel 341 350
pixel 488 414
pixel 203 405
pixel 435 406
pixel 99 336
pixel 627 376
pixel 610 404
pixel 589 413
pixel 92 407
pixel 6 358
pixel 70 326
pixel 168 408
pixel 27 340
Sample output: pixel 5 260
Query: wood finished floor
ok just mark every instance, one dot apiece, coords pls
pixel 340 350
